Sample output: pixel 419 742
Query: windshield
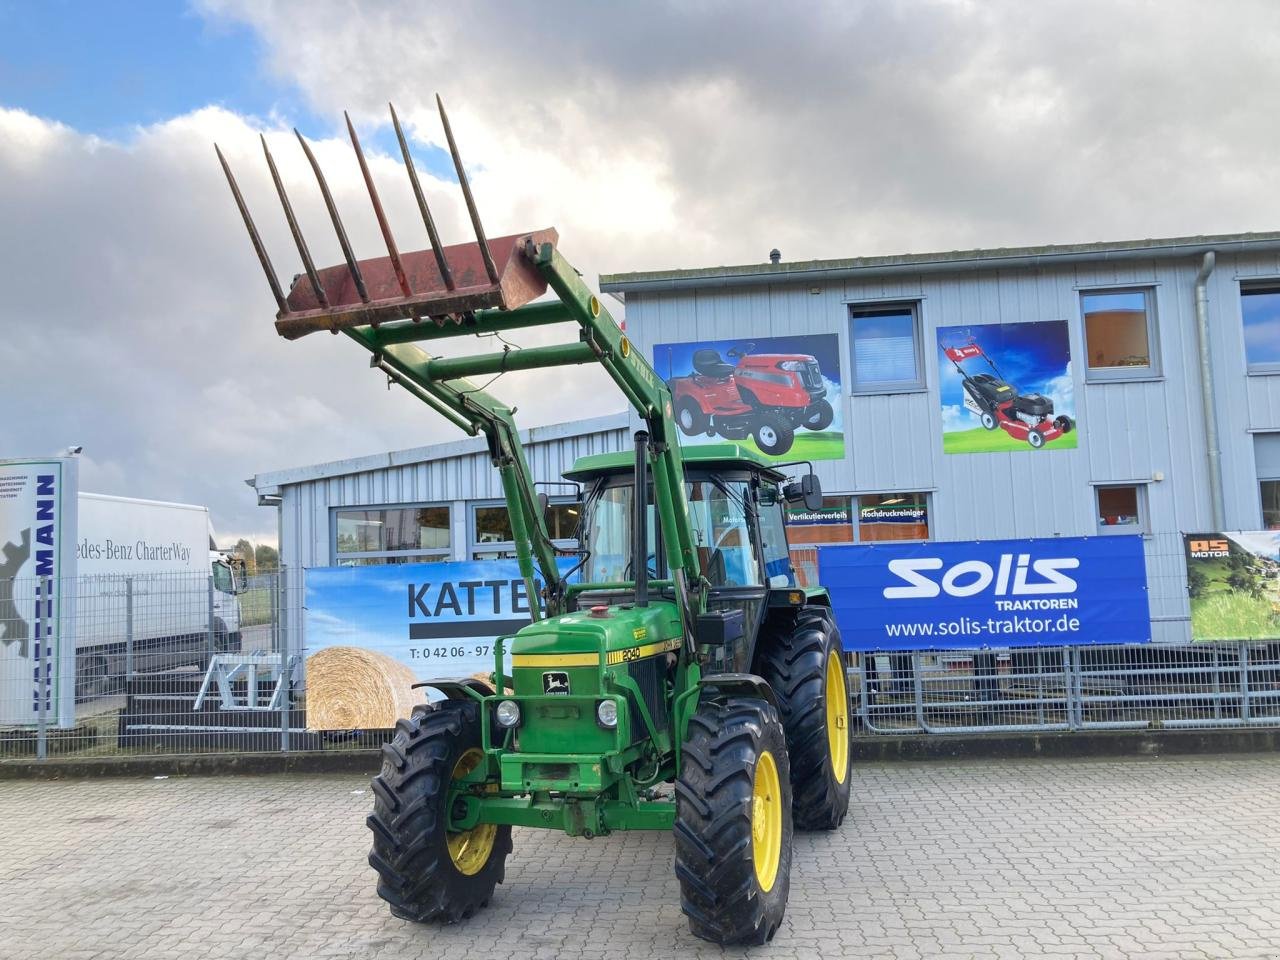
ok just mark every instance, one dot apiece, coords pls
pixel 222 577
pixel 722 536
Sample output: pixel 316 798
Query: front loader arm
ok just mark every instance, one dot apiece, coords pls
pixel 390 304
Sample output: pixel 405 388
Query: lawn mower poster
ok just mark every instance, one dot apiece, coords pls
pixel 777 395
pixel 373 632
pixel 1233 580
pixel 990 593
pixel 1005 387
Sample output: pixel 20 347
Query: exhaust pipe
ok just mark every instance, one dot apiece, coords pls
pixel 640 535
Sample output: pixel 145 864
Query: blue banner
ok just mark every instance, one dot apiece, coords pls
pixel 991 593
pixel 438 619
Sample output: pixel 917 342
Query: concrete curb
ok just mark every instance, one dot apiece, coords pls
pixel 887 749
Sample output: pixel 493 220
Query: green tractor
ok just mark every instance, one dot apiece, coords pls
pixel 675 678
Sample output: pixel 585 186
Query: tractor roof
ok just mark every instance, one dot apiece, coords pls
pixel 707 455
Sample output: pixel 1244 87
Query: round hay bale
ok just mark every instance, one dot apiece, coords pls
pixel 351 688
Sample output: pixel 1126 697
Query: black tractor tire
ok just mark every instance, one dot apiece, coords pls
pixel 773 433
pixel 417 872
pixel 690 418
pixel 724 825
pixel 804 664
pixel 818 416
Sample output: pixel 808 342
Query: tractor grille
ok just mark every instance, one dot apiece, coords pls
pixel 647 674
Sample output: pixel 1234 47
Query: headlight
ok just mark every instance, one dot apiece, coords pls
pixel 508 713
pixel 607 713
pixel 792 366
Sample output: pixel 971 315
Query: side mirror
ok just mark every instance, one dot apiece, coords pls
pixel 806 490
pixel 544 501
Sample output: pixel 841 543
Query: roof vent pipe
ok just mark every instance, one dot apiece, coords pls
pixel 775 255
pixel 1206 389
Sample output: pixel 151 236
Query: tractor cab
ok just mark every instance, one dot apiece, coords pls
pixel 736 502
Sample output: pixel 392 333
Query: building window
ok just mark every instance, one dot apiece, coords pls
pixel 418 534
pixel 493 539
pixel 1120 334
pixel 1260 311
pixel 892 516
pixel 1122 509
pixel 868 518
pixel 886 348
pixel 1270 504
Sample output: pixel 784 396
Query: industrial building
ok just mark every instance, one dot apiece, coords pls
pixel 1156 363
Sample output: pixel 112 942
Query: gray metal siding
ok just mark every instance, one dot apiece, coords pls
pixel 307 507
pixel 1130 431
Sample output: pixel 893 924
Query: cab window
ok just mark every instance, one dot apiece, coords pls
pixel 718 513
pixel 222 581
pixel 773 537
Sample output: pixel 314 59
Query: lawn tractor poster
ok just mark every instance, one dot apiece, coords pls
pixel 1057 591
pixel 37 595
pixel 1233 580
pixel 372 632
pixel 776 395
pixel 1006 387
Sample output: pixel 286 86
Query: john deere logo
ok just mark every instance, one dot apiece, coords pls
pixel 555 683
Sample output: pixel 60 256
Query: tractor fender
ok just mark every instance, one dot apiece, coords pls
pixel 719 685
pixel 460 688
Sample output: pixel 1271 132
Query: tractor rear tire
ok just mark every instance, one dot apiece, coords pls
pixel 804 665
pixel 424 871
pixel 773 433
pixel 733 822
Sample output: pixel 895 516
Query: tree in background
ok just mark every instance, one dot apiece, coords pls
pixel 267 559
pixel 244 550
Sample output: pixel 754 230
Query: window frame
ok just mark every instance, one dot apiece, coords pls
pixel 1154 369
pixel 1247 287
pixel 435 554
pixel 1141 528
pixel 873 308
pixel 1262 501
pixel 925 495
pixel 474 546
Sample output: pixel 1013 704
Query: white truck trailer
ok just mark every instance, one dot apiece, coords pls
pixel 153 592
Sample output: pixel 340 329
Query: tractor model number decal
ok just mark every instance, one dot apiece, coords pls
pixel 639 653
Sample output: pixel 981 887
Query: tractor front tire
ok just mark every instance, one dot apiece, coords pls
pixel 818 416
pixel 773 433
pixel 425 871
pixel 733 822
pixel 690 418
pixel 804 665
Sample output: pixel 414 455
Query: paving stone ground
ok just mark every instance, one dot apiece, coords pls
pixel 1116 858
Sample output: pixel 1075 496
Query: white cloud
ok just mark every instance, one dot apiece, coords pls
pixel 137 323
pixel 956 417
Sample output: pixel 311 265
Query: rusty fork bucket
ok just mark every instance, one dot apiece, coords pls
pixel 443 284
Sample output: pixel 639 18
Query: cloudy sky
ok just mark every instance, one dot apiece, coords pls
pixel 135 318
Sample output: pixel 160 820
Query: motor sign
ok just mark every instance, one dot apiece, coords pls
pixel 996 593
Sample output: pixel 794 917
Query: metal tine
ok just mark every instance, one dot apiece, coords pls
pixel 352 266
pixel 378 211
pixel 253 233
pixel 307 263
pixel 466 193
pixel 436 247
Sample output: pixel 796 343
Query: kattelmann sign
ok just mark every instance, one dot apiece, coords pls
pixel 993 593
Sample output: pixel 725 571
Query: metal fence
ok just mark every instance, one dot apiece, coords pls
pixel 172 665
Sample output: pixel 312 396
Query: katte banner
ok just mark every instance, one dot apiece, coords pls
pixel 1233 580
pixel 988 594
pixel 37 591
pixel 372 632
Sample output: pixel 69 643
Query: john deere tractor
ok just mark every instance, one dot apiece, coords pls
pixel 675 678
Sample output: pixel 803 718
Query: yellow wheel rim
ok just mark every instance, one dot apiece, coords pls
pixel 837 717
pixel 470 849
pixel 766 821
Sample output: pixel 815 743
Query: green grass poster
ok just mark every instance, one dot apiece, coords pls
pixel 1233 580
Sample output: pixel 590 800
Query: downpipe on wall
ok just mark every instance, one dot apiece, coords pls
pixel 1206 390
